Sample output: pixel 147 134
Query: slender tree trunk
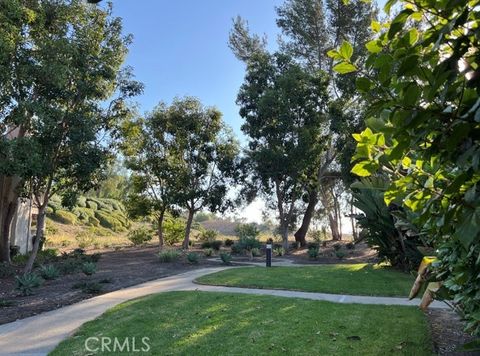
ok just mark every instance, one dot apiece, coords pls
pixel 352 221
pixel 8 207
pixel 338 216
pixel 39 236
pixel 301 234
pixel 284 233
pixel 191 212
pixel 334 227
pixel 160 230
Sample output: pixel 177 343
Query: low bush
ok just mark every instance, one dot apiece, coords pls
pixel 208 235
pixel 85 239
pixel 350 246
pixel 337 247
pixel 168 256
pixel 256 252
pixel 49 272
pixel 226 258
pixel 27 283
pixel 313 252
pixel 216 244
pixel 279 251
pixel 91 205
pixel 340 254
pixel 208 252
pixel 313 245
pixel 229 242
pixel 69 266
pixel 64 217
pixel 193 258
pixel 4 303
pixel 89 268
pixel 236 249
pixel 20 259
pixel 89 287
pixel 173 230
pixel 108 221
pixel 140 236
pixel 6 270
pixel 48 255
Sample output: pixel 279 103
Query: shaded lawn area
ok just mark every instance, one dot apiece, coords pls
pixel 353 279
pixel 207 323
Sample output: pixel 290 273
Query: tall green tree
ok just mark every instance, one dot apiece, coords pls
pixel 242 43
pixel 66 65
pixel 284 111
pixel 421 82
pixel 310 29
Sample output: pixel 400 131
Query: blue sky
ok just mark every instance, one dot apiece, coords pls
pixel 180 48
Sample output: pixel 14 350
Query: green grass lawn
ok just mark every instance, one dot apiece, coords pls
pixel 354 279
pixel 205 323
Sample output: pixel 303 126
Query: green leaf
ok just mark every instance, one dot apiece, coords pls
pixel 364 84
pixel 398 22
pixel 388 6
pixel 364 169
pixel 373 46
pixel 334 54
pixel 346 50
pixel 344 68
pixel 375 26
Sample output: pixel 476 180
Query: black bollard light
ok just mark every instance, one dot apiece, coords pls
pixel 268 252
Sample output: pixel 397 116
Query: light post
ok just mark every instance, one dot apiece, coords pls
pixel 268 252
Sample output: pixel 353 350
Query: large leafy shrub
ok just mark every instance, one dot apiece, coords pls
pixel 421 83
pixel 378 225
pixel 140 236
pixel 64 217
pixel 173 230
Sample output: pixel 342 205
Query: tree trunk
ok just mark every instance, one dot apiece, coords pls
pixel 284 233
pixel 38 238
pixel 300 235
pixel 334 227
pixel 352 220
pixel 160 230
pixel 188 228
pixel 8 206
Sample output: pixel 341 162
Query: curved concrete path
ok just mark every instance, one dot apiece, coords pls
pixel 40 334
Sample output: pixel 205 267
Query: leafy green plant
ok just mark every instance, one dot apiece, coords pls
pixel 89 268
pixel 421 86
pixel 313 252
pixel 139 236
pixel 279 251
pixel 168 256
pixel 226 258
pixel 236 249
pixel 173 230
pixel 6 270
pixel 229 242
pixel 89 287
pixel 193 258
pixel 247 231
pixel 216 244
pixel 256 252
pixel 208 235
pixel 4 303
pixel 49 272
pixel 208 252
pixel 350 246
pixel 340 254
pixel 27 283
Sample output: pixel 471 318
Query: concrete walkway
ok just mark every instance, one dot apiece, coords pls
pixel 40 334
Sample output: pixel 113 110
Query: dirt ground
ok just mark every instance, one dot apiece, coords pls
pixel 130 266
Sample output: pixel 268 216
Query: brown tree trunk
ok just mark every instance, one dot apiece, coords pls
pixel 284 233
pixel 334 227
pixel 352 220
pixel 39 236
pixel 8 206
pixel 301 234
pixel 188 228
pixel 160 230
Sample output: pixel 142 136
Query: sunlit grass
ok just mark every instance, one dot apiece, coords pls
pixel 354 279
pixel 204 323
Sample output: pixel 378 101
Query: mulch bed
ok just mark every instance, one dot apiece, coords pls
pixel 122 268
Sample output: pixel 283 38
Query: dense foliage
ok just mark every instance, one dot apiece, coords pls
pixel 422 84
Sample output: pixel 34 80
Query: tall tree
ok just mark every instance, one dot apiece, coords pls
pixel 71 56
pixel 310 28
pixel 284 111
pixel 204 154
pixel 242 43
